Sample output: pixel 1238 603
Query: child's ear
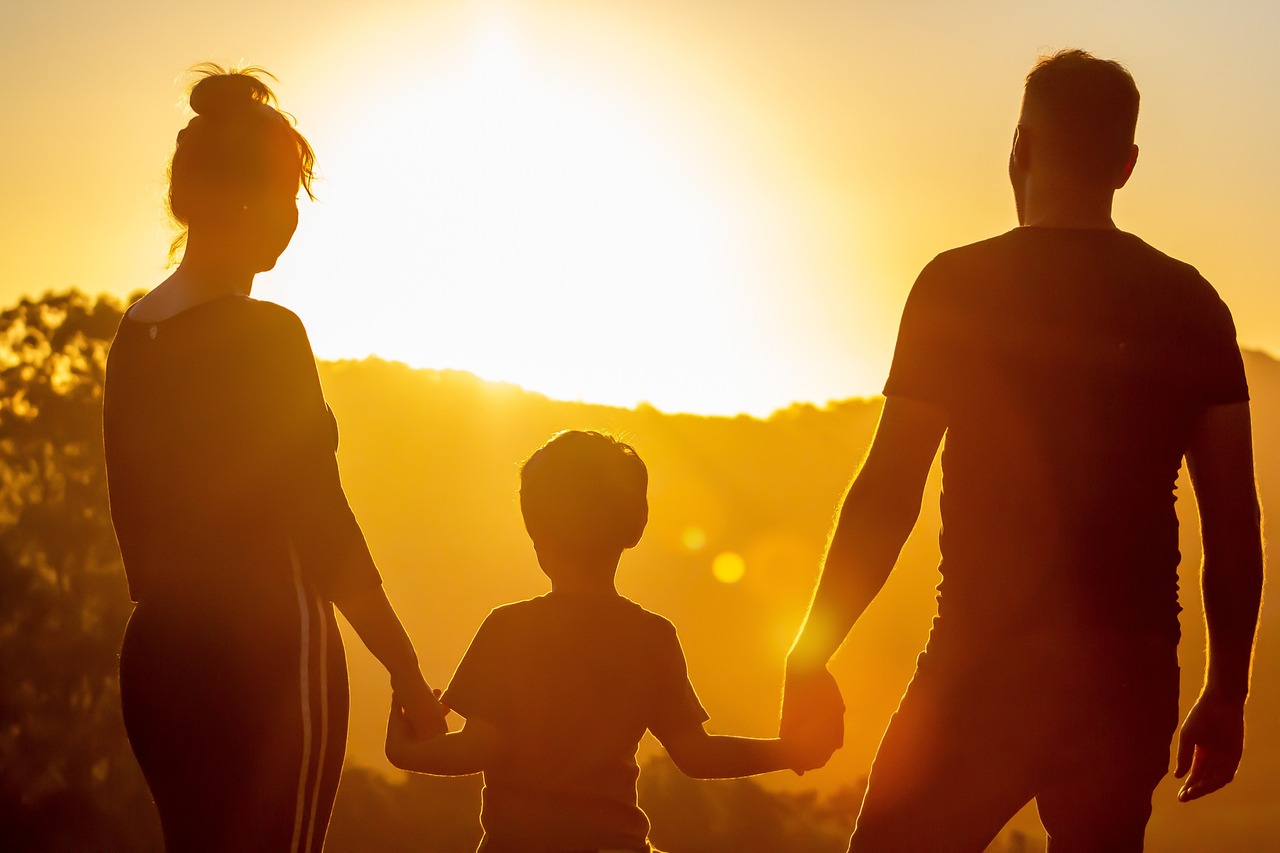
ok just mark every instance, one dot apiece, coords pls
pixel 634 540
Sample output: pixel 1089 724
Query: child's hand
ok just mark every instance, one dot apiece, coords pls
pixel 422 706
pixel 812 723
pixel 809 751
pixel 401 733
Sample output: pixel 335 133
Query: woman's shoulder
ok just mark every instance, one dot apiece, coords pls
pixel 270 314
pixel 273 326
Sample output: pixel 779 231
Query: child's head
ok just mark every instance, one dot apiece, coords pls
pixel 583 496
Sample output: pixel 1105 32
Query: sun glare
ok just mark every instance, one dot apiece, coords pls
pixel 507 213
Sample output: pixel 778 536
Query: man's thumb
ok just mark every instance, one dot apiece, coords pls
pixel 1186 750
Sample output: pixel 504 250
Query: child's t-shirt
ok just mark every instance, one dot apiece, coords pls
pixel 572 680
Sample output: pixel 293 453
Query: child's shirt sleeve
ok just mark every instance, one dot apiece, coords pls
pixel 479 688
pixel 676 705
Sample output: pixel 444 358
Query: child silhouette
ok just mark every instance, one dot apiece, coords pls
pixel 558 690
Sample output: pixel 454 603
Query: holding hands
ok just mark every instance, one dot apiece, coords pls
pixel 436 750
pixel 420 706
pixel 812 723
pixel 401 735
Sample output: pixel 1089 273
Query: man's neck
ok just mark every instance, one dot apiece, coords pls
pixel 1067 207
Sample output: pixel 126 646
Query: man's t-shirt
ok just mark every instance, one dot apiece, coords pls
pixel 572 681
pixel 1072 365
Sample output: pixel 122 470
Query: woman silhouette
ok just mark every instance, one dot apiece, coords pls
pixel 236 535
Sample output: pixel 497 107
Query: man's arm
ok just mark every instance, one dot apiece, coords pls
pixel 876 516
pixel 1220 460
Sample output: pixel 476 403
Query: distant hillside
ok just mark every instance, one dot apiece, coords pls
pixel 429 461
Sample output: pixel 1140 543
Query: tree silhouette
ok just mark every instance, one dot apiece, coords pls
pixel 67 778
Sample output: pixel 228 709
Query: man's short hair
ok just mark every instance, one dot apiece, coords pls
pixel 584 491
pixel 1083 111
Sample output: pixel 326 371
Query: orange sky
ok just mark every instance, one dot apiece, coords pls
pixel 711 206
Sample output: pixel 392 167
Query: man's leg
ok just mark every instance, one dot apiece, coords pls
pixel 1112 750
pixel 952 768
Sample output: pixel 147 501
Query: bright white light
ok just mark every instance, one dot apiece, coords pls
pixel 500 215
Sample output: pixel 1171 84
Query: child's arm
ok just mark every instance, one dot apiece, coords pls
pixel 706 756
pixel 454 754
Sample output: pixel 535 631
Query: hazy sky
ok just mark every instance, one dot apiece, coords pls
pixel 710 206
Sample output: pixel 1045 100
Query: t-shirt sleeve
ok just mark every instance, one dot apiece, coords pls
pixel 1217 364
pixel 330 546
pixel 675 704
pixel 928 348
pixel 478 689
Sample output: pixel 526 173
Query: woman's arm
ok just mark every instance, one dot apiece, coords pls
pixel 299 438
pixel 454 754
pixel 374 620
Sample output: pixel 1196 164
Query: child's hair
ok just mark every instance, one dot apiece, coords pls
pixel 238 144
pixel 584 492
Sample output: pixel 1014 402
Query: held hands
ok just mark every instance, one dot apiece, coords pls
pixel 1210 745
pixel 402 734
pixel 421 706
pixel 812 723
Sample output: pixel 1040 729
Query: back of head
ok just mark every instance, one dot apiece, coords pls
pixel 238 145
pixel 1083 112
pixel 584 493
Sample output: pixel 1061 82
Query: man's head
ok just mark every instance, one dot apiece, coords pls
pixel 1078 118
pixel 583 496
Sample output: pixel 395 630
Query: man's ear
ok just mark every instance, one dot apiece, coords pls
pixel 1020 150
pixel 1127 171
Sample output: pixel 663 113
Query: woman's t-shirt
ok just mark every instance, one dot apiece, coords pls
pixel 220 458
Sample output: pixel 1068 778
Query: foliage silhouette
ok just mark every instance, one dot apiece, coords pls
pixel 67 778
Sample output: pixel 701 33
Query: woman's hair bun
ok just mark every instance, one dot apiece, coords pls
pixel 221 91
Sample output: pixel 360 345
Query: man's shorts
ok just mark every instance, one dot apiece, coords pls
pixel 978 735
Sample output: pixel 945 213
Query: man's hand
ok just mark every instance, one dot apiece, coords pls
pixel 1210 745
pixel 812 715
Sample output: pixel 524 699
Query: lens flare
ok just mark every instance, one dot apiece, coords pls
pixel 728 567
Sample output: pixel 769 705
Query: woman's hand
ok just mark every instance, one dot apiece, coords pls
pixel 419 705
pixel 380 630
pixel 399 735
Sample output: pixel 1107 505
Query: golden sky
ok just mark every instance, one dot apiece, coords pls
pixel 710 206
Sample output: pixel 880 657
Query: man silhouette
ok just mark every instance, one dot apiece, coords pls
pixel 1071 367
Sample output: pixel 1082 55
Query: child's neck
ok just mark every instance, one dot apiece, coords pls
pixel 575 585
pixel 580 573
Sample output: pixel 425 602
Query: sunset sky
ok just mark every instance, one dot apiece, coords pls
pixel 710 206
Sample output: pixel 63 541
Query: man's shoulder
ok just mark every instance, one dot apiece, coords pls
pixel 991 246
pixel 1144 251
pixel 1030 247
pixel 1177 284
pixel 948 269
